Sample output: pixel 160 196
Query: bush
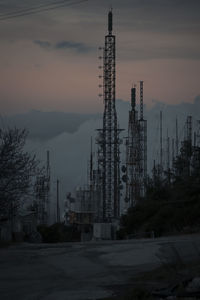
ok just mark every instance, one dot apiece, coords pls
pixel 59 233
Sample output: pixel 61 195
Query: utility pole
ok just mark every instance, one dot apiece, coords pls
pixel 168 152
pixel 161 146
pixel 176 136
pixel 57 202
pixel 172 153
pixel 91 164
pixel 48 182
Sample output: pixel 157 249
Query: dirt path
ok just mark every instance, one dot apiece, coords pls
pixel 74 271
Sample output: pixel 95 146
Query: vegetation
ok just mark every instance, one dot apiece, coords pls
pixel 171 204
pixel 164 282
pixel 17 170
pixel 58 233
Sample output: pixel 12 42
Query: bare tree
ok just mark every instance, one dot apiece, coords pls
pixel 17 169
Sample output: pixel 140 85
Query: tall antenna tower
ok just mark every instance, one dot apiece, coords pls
pixel 168 152
pixel 57 202
pixel 42 189
pixel 184 167
pixel 168 169
pixel 161 146
pixel 132 177
pixel 136 152
pixel 109 136
pixel 188 138
pixel 189 130
pixel 143 145
pixel 198 134
pixel 173 156
pixel 91 165
pixel 177 142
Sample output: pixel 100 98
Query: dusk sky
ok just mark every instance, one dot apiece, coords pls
pixel 49 60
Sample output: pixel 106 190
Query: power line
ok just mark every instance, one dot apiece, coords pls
pixel 37 9
pixel 44 5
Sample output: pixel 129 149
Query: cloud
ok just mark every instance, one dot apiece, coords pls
pixel 166 29
pixel 43 44
pixel 64 45
pixel 143 52
pixel 47 125
pixel 79 47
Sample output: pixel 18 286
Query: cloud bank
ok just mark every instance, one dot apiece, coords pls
pixel 67 137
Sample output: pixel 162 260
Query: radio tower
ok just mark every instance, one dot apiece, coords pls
pixel 143 145
pixel 42 190
pixel 136 152
pixel 132 177
pixel 108 140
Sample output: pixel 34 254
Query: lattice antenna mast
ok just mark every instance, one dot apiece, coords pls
pixel 133 155
pixel 141 101
pixel 168 151
pixel 57 201
pixel 198 134
pixel 143 145
pixel 189 130
pixel 177 142
pixel 110 133
pixel 42 189
pixel 189 136
pixel 172 153
pixel 91 163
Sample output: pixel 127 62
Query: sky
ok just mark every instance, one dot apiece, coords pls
pixel 49 60
pixel 49 73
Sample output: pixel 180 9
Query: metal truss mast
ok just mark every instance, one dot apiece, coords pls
pixel 109 135
pixel 136 152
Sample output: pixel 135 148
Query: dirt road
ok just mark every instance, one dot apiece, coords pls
pixel 74 271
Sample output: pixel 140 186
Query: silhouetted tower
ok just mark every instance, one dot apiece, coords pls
pixel 143 145
pixel 168 152
pixel 42 190
pixel 183 163
pixel 132 177
pixel 136 152
pixel 198 134
pixel 168 165
pixel 109 136
pixel 57 202
pixel 189 130
pixel 195 160
pixel 187 144
pixel 172 156
pixel 91 165
pixel 48 185
pixel 177 142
